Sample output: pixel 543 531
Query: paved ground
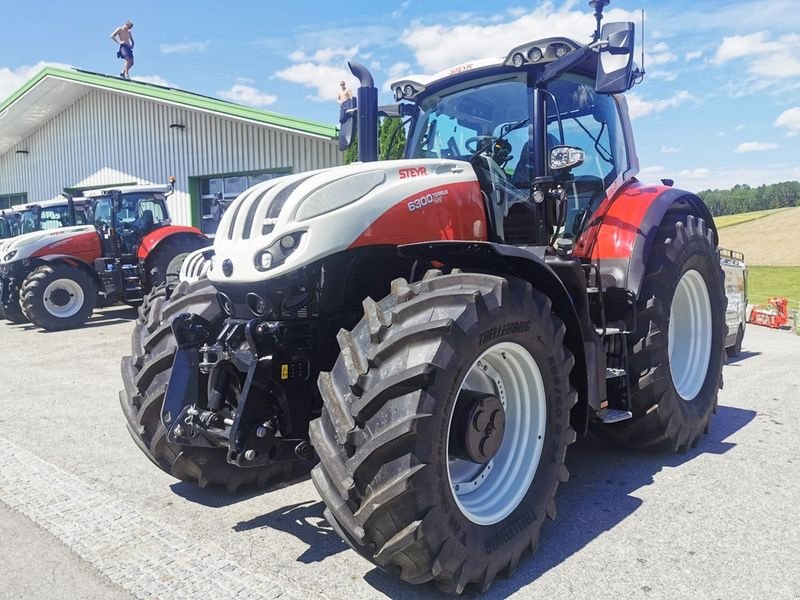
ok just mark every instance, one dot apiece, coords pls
pixel 83 514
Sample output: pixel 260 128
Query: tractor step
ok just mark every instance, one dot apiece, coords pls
pixel 612 373
pixel 614 415
pixel 609 331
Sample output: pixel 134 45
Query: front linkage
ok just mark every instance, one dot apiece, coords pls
pixel 250 362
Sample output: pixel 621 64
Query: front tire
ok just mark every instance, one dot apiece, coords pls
pixel 146 373
pixel 676 353
pixel 401 480
pixel 58 296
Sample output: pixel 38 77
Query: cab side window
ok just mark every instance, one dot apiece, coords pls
pixel 102 212
pixel 591 122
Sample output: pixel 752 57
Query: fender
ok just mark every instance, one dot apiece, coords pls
pixel 620 236
pixel 562 280
pixel 155 237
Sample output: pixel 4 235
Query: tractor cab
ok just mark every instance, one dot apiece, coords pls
pixel 9 224
pixel 541 129
pixel 124 218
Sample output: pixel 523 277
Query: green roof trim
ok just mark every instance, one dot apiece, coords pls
pixel 174 96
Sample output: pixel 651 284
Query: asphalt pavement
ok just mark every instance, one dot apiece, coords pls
pixel 83 514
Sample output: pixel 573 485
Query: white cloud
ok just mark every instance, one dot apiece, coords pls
pixel 766 61
pixel 156 79
pixel 695 174
pixel 651 173
pixel 669 149
pixel 400 9
pixel 754 147
pixel 183 47
pixel 246 94
pixel 438 46
pixel 694 55
pixel 639 107
pixel 662 75
pixel 321 71
pixel 739 127
pixel 12 79
pixel 395 71
pixel 739 46
pixel 791 120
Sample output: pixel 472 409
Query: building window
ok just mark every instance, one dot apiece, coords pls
pixel 10 200
pixel 216 194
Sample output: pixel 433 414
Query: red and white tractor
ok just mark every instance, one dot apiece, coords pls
pixel 56 277
pixel 441 328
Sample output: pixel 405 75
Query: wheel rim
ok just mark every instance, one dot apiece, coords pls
pixel 174 266
pixel 63 298
pixel 690 333
pixel 488 493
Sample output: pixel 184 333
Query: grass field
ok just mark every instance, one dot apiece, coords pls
pixel 765 282
pixel 730 220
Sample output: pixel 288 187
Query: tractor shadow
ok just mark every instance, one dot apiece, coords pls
pixel 597 498
pixel 215 497
pixel 743 355
pixel 306 522
pixel 102 317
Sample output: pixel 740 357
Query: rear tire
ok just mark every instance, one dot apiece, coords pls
pixel 146 373
pixel 676 353
pixel 388 471
pixel 58 296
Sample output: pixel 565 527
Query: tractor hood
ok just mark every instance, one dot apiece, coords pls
pixel 283 224
pixel 38 243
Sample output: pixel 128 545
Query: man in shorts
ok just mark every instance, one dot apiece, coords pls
pixel 122 36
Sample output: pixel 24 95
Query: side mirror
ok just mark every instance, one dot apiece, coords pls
pixel 615 63
pixel 347 123
pixel 563 158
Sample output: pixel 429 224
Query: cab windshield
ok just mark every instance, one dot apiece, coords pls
pixel 457 122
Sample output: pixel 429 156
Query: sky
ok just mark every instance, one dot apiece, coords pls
pixel 719 106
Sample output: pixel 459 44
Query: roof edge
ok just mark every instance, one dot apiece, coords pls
pixel 180 97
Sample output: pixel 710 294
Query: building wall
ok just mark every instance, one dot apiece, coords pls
pixel 107 138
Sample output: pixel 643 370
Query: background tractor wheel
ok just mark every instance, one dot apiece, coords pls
pixel 58 296
pixel 444 428
pixel 736 349
pixel 146 374
pixel 676 353
pixel 13 313
pixel 164 265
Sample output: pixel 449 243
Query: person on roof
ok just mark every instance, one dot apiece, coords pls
pixel 123 36
pixel 344 93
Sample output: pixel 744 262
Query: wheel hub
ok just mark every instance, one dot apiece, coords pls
pixel 60 297
pixel 482 421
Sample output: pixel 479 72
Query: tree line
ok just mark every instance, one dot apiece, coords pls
pixel 743 198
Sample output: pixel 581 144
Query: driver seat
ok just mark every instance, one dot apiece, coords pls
pixel 522 174
pixel 144 223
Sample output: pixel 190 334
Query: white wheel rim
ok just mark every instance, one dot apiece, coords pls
pixel 72 305
pixel 174 266
pixel 486 494
pixel 690 333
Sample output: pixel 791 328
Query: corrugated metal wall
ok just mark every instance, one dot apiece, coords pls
pixel 107 138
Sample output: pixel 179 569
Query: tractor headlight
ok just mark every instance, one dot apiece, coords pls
pixel 278 252
pixel 264 260
pixel 10 256
pixel 518 60
pixel 338 193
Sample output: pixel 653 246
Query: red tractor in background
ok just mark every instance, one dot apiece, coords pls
pixel 55 278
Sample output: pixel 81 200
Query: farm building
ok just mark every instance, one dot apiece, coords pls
pixel 73 130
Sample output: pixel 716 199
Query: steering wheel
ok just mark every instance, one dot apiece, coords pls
pixel 499 148
pixel 479 140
